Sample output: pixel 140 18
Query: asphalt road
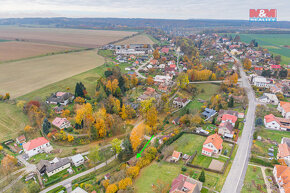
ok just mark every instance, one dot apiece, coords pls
pixel 235 178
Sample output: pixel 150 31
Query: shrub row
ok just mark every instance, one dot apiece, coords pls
pixel 261 162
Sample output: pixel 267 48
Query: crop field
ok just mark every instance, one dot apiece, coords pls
pixel 12 120
pixel 21 77
pixel 275 43
pixel 138 39
pixel 72 37
pixel 13 50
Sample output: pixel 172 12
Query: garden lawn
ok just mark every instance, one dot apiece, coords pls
pixel 156 171
pixel 208 90
pixel 42 156
pixel 201 160
pixel 189 143
pixel 274 135
pixel 254 180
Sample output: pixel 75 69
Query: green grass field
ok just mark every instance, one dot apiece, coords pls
pixel 163 171
pixel 206 91
pixel 12 121
pixel 273 42
pixel 253 180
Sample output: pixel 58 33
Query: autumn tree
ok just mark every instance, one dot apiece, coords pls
pixel 133 171
pixel 150 80
pixel 28 129
pixel 182 80
pixel 112 188
pixel 8 163
pixel 70 138
pixel 151 117
pixel 123 184
pixel 213 76
pixel 116 145
pixel 137 136
pixel 123 113
pixel 101 127
pixel 156 54
pixel 160 187
pixel 79 100
pixel 247 63
pixel 65 113
pixel 145 105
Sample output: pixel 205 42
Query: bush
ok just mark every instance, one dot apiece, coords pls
pixel 261 162
pixel 183 169
pixel 53 181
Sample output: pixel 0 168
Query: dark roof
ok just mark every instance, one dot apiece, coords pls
pixel 52 166
pixel 56 99
pixel 228 125
pixel 208 112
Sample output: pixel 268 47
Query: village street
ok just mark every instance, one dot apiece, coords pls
pixel 235 178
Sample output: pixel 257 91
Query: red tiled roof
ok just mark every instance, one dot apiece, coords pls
pixel 285 106
pixel 276 66
pixel 176 154
pixel 270 118
pixel 215 139
pixel 228 117
pixel 35 143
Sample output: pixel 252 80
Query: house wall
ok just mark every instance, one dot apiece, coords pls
pixel 40 149
pixel 272 125
pixel 78 163
pixel 58 170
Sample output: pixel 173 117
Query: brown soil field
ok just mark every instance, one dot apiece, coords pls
pixel 71 37
pixel 21 77
pixel 13 50
pixel 138 39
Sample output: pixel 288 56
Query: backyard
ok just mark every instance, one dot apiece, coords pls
pixel 254 181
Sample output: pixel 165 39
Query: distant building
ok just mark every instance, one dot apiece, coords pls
pixel 176 156
pixel 226 129
pixel 21 139
pixel 77 160
pixel 269 98
pixel 208 113
pixel 180 102
pixel 282 176
pixel 284 108
pixel 62 98
pixel 260 81
pixel 276 123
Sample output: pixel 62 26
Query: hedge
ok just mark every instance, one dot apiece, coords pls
pixel 53 181
pixel 261 162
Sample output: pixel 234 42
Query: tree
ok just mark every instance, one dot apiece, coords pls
pixel 116 145
pixel 106 183
pixel 46 126
pixel 247 63
pixel 70 138
pixel 151 117
pixel 33 187
pixel 202 176
pixel 8 163
pixel 65 113
pixel 156 54
pixel 112 188
pixel 80 90
pixel 124 114
pixel 94 154
pixel 80 100
pixel 127 151
pixel 27 128
pixel 182 80
pixel 1 148
pixel 101 127
pixel 231 102
pixel 213 76
pixel 6 97
pixel 20 104
pixel 150 80
pixel 133 171
pixel 123 184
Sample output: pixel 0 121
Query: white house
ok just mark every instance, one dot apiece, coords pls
pixel 284 153
pixel 61 123
pixel 212 145
pixel 284 108
pixel 36 146
pixel 175 156
pixel 77 160
pixel 260 81
pixel 282 176
pixel 180 102
pixel 276 123
pixel 269 98
pixel 79 190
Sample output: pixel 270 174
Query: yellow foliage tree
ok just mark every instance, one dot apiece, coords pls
pixel 123 184
pixel 65 113
pixel 106 183
pixel 70 138
pixel 112 188
pixel 247 63
pixel 156 54
pixel 137 135
pixel 133 171
pixel 150 80
pixel 182 80
pixel 115 85
pixel 124 114
pixel 101 127
pixel 27 128
pixel 151 117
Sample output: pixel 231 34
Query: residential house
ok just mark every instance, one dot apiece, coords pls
pixel 212 145
pixel 282 176
pixel 164 50
pixel 61 123
pixel 36 146
pixel 229 118
pixel 58 109
pixel 260 81
pixel 158 79
pixel 53 167
pixel 284 108
pixel 208 113
pixel 180 102
pixel 276 123
pixel 226 129
pixel 284 152
pixel 21 139
pixel 149 93
pixel 77 160
pixel 163 88
pixel 62 98
pixel 269 98
pixel 175 156
pixel 185 184
pixel 230 112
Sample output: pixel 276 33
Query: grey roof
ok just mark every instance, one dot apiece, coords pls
pixel 52 166
pixel 76 158
pixel 208 112
pixel 54 98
